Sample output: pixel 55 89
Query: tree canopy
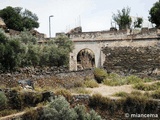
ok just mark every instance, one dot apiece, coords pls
pixel 23 50
pixel 17 19
pixel 122 18
pixel 155 14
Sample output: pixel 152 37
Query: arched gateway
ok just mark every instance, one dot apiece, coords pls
pixel 85 59
pixel 88 45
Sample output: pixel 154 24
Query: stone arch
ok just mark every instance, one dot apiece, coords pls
pixel 85 59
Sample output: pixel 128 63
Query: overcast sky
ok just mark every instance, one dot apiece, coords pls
pixel 92 15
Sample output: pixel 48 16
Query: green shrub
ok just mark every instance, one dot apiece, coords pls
pixel 104 103
pixel 133 79
pixel 99 74
pixel 121 94
pixel 136 93
pixel 91 83
pixel 30 115
pixel 81 90
pixel 135 104
pixel 6 112
pixel 31 98
pixel 156 94
pixel 59 109
pixel 3 101
pixel 65 93
pixel 115 80
pixel 147 87
pixel 83 115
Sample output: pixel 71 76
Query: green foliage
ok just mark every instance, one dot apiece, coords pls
pixel 10 53
pixel 147 87
pixel 121 94
pixel 155 14
pixel 3 101
pixel 17 19
pixel 31 115
pixel 6 112
pixel 98 101
pixel 63 42
pixel 60 109
pixel 135 103
pixel 27 38
pixel 91 83
pixel 138 23
pixel 99 74
pixel 156 94
pixel 123 19
pixel 115 80
pixel 64 93
pixel 22 50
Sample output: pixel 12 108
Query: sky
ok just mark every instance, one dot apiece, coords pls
pixel 91 15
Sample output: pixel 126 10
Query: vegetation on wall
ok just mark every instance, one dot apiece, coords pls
pixel 123 19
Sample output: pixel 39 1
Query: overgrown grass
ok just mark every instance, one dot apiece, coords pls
pixel 63 92
pixel 156 94
pixel 121 94
pixel 91 83
pixel 117 80
pixel 100 74
pixel 147 87
pixel 7 112
pixel 80 90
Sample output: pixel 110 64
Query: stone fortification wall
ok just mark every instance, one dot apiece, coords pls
pixel 133 60
pixel 115 35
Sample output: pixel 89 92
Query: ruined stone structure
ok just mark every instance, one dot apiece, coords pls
pixel 93 44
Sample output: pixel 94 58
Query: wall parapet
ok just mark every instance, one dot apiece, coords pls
pixel 144 33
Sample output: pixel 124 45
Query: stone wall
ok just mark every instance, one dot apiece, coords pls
pixel 45 76
pixel 133 60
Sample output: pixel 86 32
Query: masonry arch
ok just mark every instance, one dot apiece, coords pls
pixel 85 59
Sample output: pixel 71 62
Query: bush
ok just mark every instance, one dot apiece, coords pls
pixel 81 90
pixel 32 98
pixel 65 93
pixel 99 74
pixel 91 83
pixel 147 87
pixel 104 103
pixel 60 109
pixel 121 94
pixel 3 101
pixel 135 104
pixel 133 79
pixel 156 94
pixel 115 80
pixel 83 115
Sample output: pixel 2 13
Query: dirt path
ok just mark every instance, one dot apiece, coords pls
pixel 16 115
pixel 109 91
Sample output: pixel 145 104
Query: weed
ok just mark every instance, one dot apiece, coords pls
pixel 64 93
pixel 80 90
pixel 121 94
pixel 147 87
pixel 100 74
pixel 91 83
pixel 3 101
pixel 156 94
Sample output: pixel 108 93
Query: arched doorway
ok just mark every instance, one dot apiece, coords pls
pixel 85 59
